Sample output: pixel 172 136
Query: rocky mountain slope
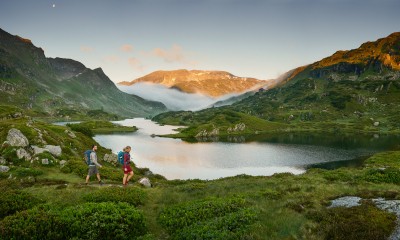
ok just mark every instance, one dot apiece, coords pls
pixel 210 83
pixel 57 86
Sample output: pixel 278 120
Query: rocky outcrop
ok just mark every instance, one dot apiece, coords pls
pixel 22 153
pixel 204 133
pixel 38 150
pixel 237 128
pixel 111 158
pixel 16 139
pixel 54 150
pixel 4 169
pixel 145 182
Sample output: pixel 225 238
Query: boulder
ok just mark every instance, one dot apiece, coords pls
pixel 38 150
pixel 2 160
pixel 54 150
pixel 376 124
pixel 22 153
pixel 111 158
pixel 45 161
pixel 16 138
pixel 4 169
pixel 62 163
pixel 145 182
pixel 70 134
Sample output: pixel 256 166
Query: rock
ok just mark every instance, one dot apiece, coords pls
pixel 376 124
pixel 45 161
pixel 62 163
pixel 148 173
pixel 5 144
pixel 111 158
pixel 214 132
pixel 348 202
pixel 55 150
pixel 22 153
pixel 38 150
pixel 145 182
pixel 16 138
pixel 70 134
pixel 4 169
pixel 2 160
pixel 202 133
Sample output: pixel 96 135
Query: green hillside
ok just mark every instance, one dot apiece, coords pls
pixel 63 88
pixel 351 91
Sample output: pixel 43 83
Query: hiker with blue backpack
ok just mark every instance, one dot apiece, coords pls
pixel 91 161
pixel 125 159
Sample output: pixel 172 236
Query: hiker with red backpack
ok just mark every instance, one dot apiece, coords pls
pixel 125 158
pixel 91 161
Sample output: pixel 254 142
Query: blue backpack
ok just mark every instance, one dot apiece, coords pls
pixel 87 156
pixel 121 157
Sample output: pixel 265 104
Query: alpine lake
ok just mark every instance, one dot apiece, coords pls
pixel 257 155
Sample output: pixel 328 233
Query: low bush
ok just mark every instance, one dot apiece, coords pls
pixel 104 221
pixel 388 175
pixel 27 172
pixel 133 196
pixel 12 201
pixel 231 226
pixel 183 215
pixel 361 222
pixel 37 223
pixel 85 221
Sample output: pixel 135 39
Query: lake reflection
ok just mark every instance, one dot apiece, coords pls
pixel 259 155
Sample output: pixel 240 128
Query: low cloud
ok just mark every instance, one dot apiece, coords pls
pixel 126 48
pixel 86 49
pixel 174 100
pixel 136 64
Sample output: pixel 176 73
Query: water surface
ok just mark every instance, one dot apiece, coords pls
pixel 258 155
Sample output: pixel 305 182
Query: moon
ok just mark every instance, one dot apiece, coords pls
pixel 54 5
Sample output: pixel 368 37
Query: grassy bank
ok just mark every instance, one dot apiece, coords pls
pixel 101 127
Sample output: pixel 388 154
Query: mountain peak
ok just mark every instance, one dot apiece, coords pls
pixel 211 83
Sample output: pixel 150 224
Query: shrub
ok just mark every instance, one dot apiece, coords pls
pixel 36 223
pixel 230 226
pixel 388 175
pixel 85 221
pixel 183 215
pixel 104 221
pixel 133 196
pixel 27 172
pixel 13 201
pixel 361 222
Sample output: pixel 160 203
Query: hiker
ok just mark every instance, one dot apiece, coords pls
pixel 127 166
pixel 93 164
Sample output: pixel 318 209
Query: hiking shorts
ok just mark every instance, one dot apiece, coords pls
pixel 128 169
pixel 93 170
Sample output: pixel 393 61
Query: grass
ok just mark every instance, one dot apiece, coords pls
pixel 287 206
pixel 103 127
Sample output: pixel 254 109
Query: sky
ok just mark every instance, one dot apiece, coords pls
pixel 248 38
